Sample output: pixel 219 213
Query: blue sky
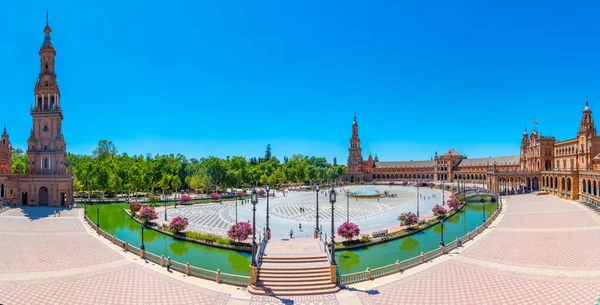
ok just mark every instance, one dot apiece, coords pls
pixel 229 77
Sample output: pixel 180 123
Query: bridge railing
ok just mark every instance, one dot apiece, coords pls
pixel 261 248
pixel 400 266
pixel 325 247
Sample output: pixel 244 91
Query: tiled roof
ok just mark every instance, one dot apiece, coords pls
pixel 405 164
pixel 510 160
pixel 451 153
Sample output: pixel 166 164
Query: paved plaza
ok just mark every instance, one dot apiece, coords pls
pixel 284 212
pixel 540 250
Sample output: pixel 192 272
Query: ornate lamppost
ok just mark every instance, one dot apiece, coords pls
pixel 317 219
pixel 236 197
pixel 254 200
pixel 483 205
pixel 348 205
pixel 417 199
pixel 268 189
pixel 442 235
pixel 165 211
pixel 332 198
pixel 142 225
pixel 98 217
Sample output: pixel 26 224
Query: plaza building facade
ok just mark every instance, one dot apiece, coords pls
pixel 569 169
pixel 46 181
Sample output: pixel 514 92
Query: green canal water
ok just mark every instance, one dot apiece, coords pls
pixel 116 222
pixel 383 254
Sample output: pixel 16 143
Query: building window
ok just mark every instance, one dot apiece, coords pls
pixel 45 147
pixel 45 127
pixel 46 163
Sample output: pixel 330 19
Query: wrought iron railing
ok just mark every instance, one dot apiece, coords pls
pixel 325 248
pixel 261 248
pixel 369 274
pixel 232 279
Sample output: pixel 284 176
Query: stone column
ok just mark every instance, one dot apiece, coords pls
pixel 332 274
pixel 253 274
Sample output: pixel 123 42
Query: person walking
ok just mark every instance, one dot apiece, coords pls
pixel 299 227
pixel 291 234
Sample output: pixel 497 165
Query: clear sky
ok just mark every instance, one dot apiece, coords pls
pixel 227 78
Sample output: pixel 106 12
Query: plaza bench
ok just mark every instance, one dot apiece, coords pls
pixel 382 234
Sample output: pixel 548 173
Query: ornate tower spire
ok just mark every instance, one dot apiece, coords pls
pixel 355 151
pixel 587 122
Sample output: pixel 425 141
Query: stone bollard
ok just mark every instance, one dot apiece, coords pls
pixel 397 266
pixel 368 274
pixel 219 276
pixel 187 269
pixel 469 237
pixel 126 245
pixel 142 253
pixel 422 257
pixel 442 249
pixel 115 239
pixel 169 263
pixel 162 260
pixel 458 242
pixel 253 274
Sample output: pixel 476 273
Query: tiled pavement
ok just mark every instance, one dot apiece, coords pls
pixel 557 239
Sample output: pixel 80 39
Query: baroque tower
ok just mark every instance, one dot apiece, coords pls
pixel 585 135
pixel 5 157
pixel 46 147
pixel 355 160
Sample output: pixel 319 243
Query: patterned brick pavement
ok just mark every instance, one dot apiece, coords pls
pixel 46 252
pixel 328 299
pixel 457 283
pixel 130 284
pixel 569 219
pixel 44 225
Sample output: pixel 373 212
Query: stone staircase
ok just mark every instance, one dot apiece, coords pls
pixel 296 267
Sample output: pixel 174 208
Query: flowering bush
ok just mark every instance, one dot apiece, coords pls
pixel 392 183
pixel 135 207
pixel 348 230
pixel 431 184
pixel 447 187
pixel 262 192
pixel 439 210
pixel 240 194
pixel 408 219
pixel 215 196
pixel 404 183
pixel 342 183
pixel 178 224
pixel 453 203
pixel 148 214
pixel 184 199
pixel 240 231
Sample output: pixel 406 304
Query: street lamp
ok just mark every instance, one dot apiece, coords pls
pixel 442 235
pixel 268 189
pixel 317 187
pixel 142 247
pixel 417 199
pixel 348 205
pixel 165 210
pixel 332 196
pixel 254 200
pixel 98 217
pixel 483 205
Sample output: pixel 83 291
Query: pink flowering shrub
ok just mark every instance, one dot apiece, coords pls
pixel 184 199
pixel 178 224
pixel 431 184
pixel 348 230
pixel 408 219
pixel 404 183
pixel 148 214
pixel 240 231
pixel 447 187
pixel 135 207
pixel 392 183
pixel 262 193
pixel 342 183
pixel 439 210
pixel 453 203
pixel 215 196
pixel 240 194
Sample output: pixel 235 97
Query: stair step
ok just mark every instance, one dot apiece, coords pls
pixel 294 288
pixel 295 260
pixel 278 272
pixel 294 256
pixel 293 278
pixel 283 292
pixel 303 283
pixel 307 268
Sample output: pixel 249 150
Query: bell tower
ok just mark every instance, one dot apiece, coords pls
pixel 46 147
pixel 355 160
pixel 5 154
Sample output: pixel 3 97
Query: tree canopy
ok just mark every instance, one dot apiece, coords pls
pixel 106 170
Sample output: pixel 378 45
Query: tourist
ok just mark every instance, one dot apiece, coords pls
pixel 291 233
pixel 54 213
pixel 299 227
pixel 58 213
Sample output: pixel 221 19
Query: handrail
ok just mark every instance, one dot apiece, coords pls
pixel 369 274
pixel 326 249
pixel 261 248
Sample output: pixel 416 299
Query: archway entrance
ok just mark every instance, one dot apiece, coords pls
pixel 24 198
pixel 352 179
pixel 43 196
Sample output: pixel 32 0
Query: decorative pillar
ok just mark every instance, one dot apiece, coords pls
pixel 42 106
pixel 218 277
pixel 253 274
pixel 333 274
